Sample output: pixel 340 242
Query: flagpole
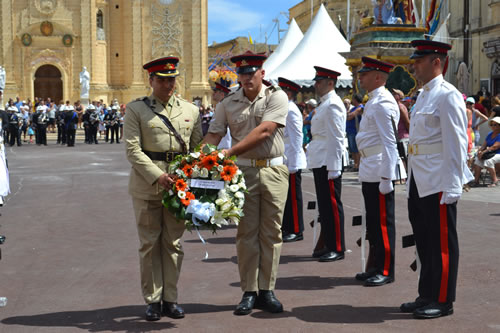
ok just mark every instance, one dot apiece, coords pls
pixel 348 20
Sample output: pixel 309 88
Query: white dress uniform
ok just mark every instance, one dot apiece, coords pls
pixel 376 141
pixel 295 160
pixel 324 154
pixel 438 140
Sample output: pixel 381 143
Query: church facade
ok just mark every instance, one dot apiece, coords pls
pixel 45 44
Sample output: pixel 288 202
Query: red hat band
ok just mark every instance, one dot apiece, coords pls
pixel 288 86
pixel 162 67
pixel 378 67
pixel 326 74
pixel 247 62
pixel 431 48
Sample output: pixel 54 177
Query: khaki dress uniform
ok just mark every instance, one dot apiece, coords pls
pixel 159 232
pixel 258 240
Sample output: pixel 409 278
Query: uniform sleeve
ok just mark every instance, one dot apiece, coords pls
pixel 197 134
pixel 382 116
pixel 453 118
pixel 219 123
pixel 135 155
pixel 277 108
pixel 335 124
pixel 294 125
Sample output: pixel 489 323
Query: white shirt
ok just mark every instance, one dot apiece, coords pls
pixel 295 158
pixel 376 129
pixel 328 131
pixel 439 117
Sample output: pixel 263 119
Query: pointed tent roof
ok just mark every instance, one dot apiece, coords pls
pixel 319 47
pixel 292 38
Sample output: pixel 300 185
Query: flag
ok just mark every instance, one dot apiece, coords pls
pixel 342 30
pixel 250 40
pixel 430 13
pixel 437 17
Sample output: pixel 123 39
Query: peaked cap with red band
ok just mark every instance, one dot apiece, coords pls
pixel 287 84
pixel 163 67
pixel 325 73
pixel 248 62
pixel 222 88
pixel 370 64
pixel 425 47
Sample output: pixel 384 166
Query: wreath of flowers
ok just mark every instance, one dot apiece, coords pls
pixel 208 191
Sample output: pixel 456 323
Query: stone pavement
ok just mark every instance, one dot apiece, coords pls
pixel 70 260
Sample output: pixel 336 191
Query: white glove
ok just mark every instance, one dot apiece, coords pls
pixel 292 171
pixel 333 174
pixel 385 186
pixel 449 197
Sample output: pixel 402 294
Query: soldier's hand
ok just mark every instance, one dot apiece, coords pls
pixel 166 181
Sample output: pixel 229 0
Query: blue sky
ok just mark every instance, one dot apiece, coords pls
pixel 228 19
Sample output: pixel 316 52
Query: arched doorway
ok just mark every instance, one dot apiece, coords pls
pixel 48 83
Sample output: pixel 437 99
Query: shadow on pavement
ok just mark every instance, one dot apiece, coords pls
pixel 216 240
pixel 288 259
pixel 310 283
pixel 340 314
pixel 117 319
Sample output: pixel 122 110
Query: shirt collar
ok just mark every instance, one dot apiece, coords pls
pixel 432 83
pixel 376 91
pixel 327 95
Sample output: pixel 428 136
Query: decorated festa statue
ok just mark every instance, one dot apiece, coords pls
pixel 2 78
pixel 84 83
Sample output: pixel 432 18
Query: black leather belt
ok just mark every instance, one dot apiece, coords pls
pixel 167 156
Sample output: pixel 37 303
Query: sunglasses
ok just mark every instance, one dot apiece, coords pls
pixel 493 124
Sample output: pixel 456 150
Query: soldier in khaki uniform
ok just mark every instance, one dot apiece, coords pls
pixel 256 116
pixel 156 129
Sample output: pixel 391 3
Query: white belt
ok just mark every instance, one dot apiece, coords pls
pixel 260 163
pixel 319 137
pixel 425 149
pixel 370 151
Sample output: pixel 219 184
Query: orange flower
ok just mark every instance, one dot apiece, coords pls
pixel 228 172
pixel 180 185
pixel 209 162
pixel 188 170
pixel 228 162
pixel 189 196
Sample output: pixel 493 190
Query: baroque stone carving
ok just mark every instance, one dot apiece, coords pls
pixel 46 7
pixel 166 29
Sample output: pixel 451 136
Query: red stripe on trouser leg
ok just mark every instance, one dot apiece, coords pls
pixel 295 210
pixel 445 256
pixel 385 235
pixel 336 218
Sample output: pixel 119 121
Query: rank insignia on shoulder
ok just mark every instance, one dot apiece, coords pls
pixel 187 120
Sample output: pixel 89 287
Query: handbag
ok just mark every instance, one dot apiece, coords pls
pixel 489 154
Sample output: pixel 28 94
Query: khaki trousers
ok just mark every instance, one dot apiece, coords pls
pixel 258 240
pixel 160 250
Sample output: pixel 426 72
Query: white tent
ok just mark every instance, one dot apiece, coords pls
pixel 319 47
pixel 287 45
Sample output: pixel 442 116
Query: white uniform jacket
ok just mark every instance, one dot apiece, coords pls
pixel 328 132
pixel 295 158
pixel 439 117
pixel 376 129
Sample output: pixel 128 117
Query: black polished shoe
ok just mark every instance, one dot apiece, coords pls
pixel 378 280
pixel 267 301
pixel 293 237
pixel 153 312
pixel 433 310
pixel 172 310
pixel 319 253
pixel 331 256
pixel 365 275
pixel 246 305
pixel 410 307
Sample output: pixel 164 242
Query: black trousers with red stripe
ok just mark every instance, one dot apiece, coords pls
pixel 380 226
pixel 293 216
pixel 330 208
pixel 434 228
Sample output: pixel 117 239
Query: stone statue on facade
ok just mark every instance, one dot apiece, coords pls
pixel 84 83
pixel 2 78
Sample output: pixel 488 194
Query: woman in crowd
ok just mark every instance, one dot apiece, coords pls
pixel 491 144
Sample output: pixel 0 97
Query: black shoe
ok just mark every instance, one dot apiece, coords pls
pixel 172 310
pixel 319 253
pixel 378 280
pixel 365 275
pixel 246 305
pixel 410 307
pixel 117 141
pixel 96 142
pixel 293 237
pixel 267 301
pixel 433 310
pixel 331 256
pixel 153 312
